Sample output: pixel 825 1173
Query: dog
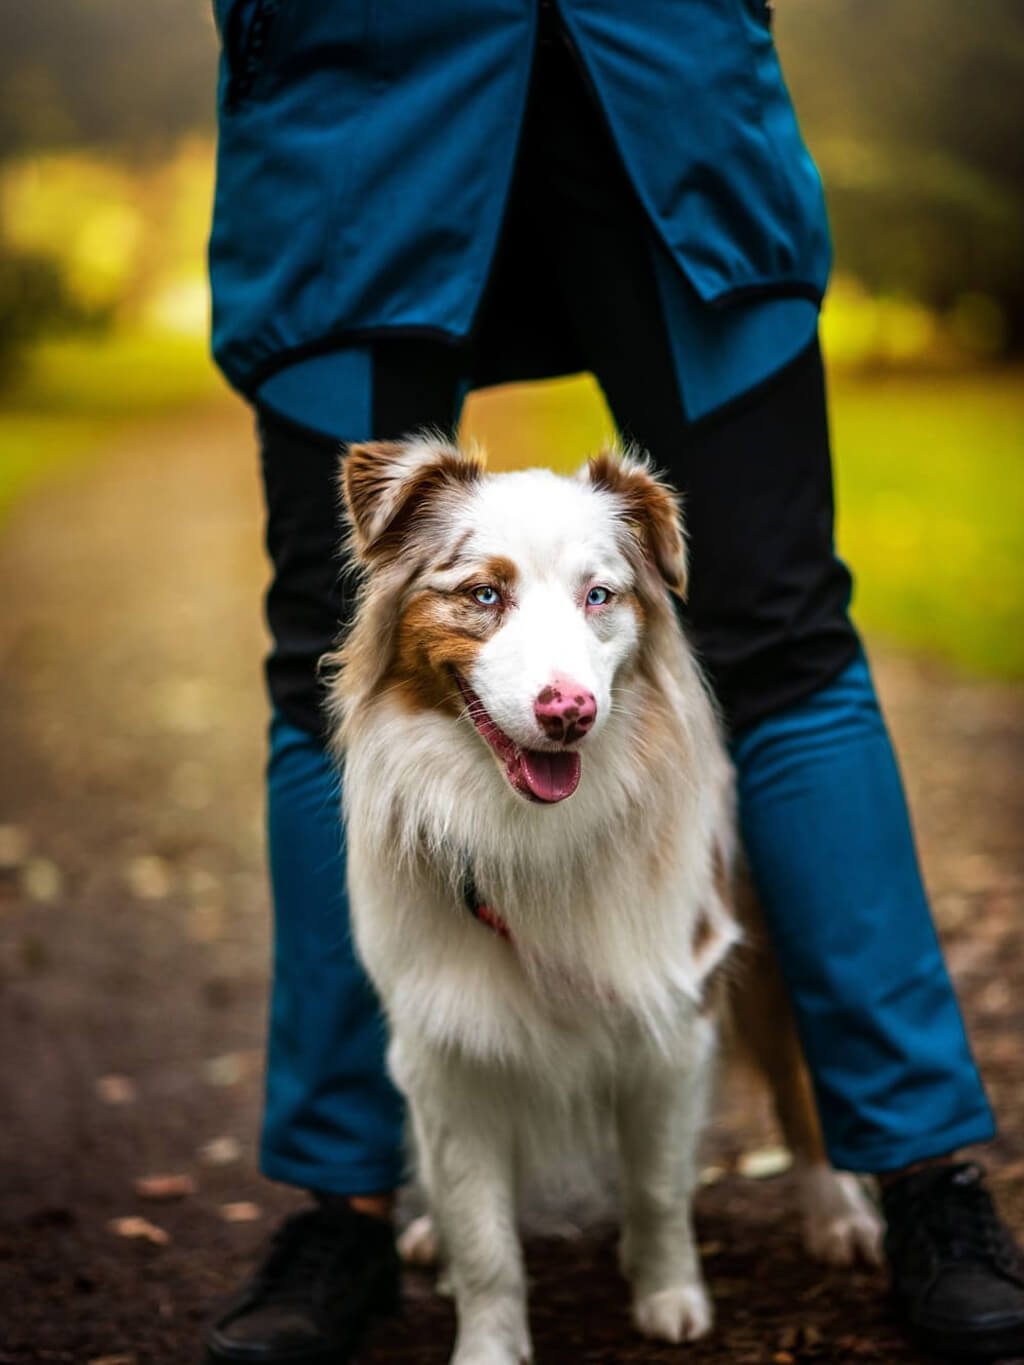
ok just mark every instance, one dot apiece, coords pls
pixel 543 869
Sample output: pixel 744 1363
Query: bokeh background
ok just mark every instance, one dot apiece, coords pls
pixel 914 111
pixel 133 901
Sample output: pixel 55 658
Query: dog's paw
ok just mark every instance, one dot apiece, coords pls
pixel 418 1244
pixel 493 1353
pixel 841 1225
pixel 675 1315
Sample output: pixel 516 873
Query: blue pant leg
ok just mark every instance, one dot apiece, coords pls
pixel 332 1119
pixel 829 840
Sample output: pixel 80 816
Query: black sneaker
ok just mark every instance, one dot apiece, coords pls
pixel 957 1274
pixel 329 1271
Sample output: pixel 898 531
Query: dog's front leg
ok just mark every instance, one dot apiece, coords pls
pixel 660 1112
pixel 467 1159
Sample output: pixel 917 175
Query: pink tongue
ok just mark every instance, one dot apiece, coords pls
pixel 547 776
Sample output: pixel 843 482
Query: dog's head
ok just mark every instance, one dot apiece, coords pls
pixel 519 600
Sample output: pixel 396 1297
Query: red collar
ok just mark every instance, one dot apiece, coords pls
pixel 493 920
pixel 484 914
pixel 489 917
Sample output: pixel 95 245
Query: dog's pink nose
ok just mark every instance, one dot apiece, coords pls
pixel 565 710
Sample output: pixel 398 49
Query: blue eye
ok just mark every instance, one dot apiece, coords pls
pixel 597 597
pixel 486 595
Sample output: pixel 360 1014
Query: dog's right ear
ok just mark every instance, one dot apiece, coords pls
pixel 389 485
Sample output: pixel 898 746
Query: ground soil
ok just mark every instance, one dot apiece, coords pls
pixel 134 946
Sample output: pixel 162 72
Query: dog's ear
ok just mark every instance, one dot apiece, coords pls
pixel 650 509
pixel 388 485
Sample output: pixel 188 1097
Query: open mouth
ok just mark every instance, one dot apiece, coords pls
pixel 538 774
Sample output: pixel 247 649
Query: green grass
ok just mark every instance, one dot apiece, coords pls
pixel 70 397
pixel 930 490
pixel 930 473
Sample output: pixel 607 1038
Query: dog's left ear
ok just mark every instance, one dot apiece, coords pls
pixel 389 485
pixel 650 508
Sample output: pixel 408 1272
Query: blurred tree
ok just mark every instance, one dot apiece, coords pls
pixel 34 302
pixel 914 111
pixel 105 73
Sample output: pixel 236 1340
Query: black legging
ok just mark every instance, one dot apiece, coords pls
pixel 768 597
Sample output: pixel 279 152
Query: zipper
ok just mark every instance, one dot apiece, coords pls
pixel 251 50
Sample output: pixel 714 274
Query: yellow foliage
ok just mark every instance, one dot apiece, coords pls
pixel 128 239
pixel 859 327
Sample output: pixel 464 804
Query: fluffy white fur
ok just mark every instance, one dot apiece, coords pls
pixel 593 1019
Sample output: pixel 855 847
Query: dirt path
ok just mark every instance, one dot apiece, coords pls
pixel 133 946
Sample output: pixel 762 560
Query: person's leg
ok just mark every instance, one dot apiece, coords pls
pixel 333 1122
pixel 823 814
pixel 822 807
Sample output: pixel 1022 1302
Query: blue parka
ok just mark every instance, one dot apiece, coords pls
pixel 367 147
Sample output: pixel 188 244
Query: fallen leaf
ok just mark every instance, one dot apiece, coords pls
pixel 799 1336
pixel 114 1089
pixel 139 1228
pixel 41 880
pixel 764 1162
pixel 951 909
pixel 220 1151
pixel 113 1360
pixel 783 1358
pixel 161 1187
pixel 241 1212
pixel 994 998
pixel 858 1346
pixel 149 877
pixel 225 1070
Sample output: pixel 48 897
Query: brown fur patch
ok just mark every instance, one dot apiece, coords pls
pixel 722 877
pixel 715 997
pixel 437 633
pixel 498 572
pixel 634 601
pixel 703 935
pixel 652 511
pixel 386 492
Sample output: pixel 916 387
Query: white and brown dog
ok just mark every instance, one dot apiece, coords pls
pixel 542 867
